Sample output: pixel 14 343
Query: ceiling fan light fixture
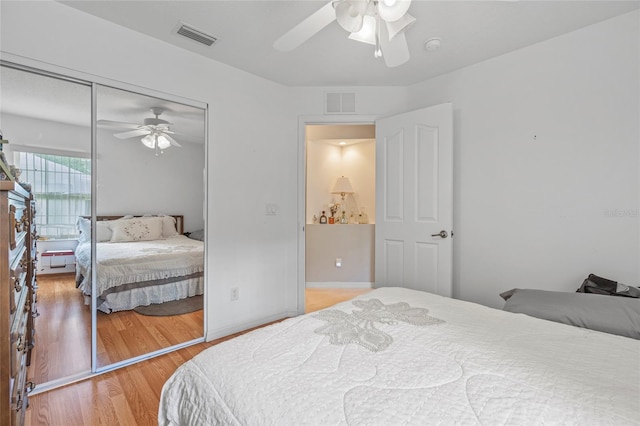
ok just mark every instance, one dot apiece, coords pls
pixel 163 143
pixel 393 11
pixel 149 141
pixel 367 33
pixel 350 13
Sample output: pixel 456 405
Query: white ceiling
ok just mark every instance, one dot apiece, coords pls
pixel 471 31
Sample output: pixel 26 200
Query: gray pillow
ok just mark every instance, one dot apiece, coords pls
pixel 614 315
pixel 197 235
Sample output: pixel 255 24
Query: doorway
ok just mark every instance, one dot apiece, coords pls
pixel 413 199
pixel 340 206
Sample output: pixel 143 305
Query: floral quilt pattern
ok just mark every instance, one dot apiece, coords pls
pixel 359 327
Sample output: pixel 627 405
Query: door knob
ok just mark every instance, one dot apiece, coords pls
pixel 441 234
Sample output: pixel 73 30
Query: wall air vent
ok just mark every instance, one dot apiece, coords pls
pixel 196 35
pixel 340 103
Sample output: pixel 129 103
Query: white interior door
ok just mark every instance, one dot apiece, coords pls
pixel 414 201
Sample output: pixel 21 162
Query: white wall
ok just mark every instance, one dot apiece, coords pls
pixel 326 163
pixel 359 164
pixel 352 244
pixel 324 166
pixel 133 180
pixel 40 133
pixel 546 152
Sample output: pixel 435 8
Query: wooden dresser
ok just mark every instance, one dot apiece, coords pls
pixel 17 299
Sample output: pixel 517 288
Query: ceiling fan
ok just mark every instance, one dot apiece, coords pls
pixel 155 131
pixel 381 23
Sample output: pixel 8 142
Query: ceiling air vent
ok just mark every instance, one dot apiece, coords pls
pixel 196 35
pixel 340 103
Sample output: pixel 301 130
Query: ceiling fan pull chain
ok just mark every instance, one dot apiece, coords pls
pixel 378 52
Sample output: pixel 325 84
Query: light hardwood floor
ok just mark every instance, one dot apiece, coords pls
pixel 130 395
pixel 65 323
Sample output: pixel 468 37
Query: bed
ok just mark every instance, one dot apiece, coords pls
pixel 140 261
pixel 397 356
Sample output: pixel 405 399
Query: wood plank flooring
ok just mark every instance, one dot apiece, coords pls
pixel 131 395
pixel 63 332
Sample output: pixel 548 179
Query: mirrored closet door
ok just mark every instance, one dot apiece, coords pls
pixel 149 254
pixel 118 178
pixel 47 121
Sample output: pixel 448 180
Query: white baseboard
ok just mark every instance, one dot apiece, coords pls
pixel 338 284
pixel 223 332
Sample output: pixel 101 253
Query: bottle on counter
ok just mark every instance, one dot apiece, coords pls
pixel 343 218
pixel 323 218
pixel 362 217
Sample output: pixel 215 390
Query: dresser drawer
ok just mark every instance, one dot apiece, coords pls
pixel 17 279
pixel 18 222
pixel 19 395
pixel 19 338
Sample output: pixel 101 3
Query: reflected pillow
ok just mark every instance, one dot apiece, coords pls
pixel 168 226
pixel 84 226
pixel 103 231
pixel 136 229
pixel 197 235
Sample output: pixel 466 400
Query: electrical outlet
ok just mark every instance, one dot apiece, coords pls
pixel 338 262
pixel 235 294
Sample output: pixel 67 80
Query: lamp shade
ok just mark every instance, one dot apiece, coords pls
pixel 392 10
pixel 149 141
pixel 342 186
pixel 163 142
pixel 367 33
pixel 349 14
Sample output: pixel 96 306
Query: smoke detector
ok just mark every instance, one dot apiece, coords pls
pixel 432 44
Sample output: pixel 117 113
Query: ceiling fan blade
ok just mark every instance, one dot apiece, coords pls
pixel 306 29
pixel 172 141
pixel 132 134
pixel 395 52
pixel 118 124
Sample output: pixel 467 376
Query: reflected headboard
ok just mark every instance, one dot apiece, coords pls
pixel 178 217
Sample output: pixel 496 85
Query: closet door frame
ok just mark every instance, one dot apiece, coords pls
pixel 46 69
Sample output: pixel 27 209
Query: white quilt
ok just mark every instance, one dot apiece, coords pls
pixel 461 363
pixel 138 262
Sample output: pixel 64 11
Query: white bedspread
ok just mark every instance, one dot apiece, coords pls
pixel 139 262
pixel 470 365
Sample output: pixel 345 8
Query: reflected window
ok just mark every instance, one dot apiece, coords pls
pixel 62 188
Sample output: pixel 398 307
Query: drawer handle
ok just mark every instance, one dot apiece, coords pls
pixel 20 347
pixel 35 314
pixel 29 386
pixel 12 227
pixel 19 403
pixel 17 286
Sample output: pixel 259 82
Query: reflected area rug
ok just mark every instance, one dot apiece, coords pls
pixel 175 307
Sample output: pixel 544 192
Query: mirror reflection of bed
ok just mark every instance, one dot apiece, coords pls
pixel 149 183
pixel 150 282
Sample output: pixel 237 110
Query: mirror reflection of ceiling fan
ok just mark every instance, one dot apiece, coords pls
pixel 155 131
pixel 381 23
